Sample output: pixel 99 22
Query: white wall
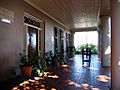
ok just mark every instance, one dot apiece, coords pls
pixel 49 36
pixel 11 39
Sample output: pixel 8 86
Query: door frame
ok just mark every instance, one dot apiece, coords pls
pixel 26 25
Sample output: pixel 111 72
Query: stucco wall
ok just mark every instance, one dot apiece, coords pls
pixel 12 36
pixel 11 39
pixel 49 36
pixel 49 27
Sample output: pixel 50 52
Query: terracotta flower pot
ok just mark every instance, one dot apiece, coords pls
pixel 26 71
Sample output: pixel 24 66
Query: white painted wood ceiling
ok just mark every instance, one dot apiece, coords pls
pixel 73 14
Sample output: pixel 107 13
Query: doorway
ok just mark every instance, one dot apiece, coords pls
pixel 86 38
pixel 32 40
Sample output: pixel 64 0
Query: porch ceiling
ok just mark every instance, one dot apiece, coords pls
pixel 73 14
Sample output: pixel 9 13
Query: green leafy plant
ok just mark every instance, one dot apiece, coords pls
pixel 91 46
pixel 36 58
pixel 70 51
pixel 24 61
pixel 39 64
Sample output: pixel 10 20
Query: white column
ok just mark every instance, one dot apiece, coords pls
pixel 115 43
pixel 99 44
pixel 106 41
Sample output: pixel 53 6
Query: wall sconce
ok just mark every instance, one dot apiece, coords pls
pixel 118 1
pixel 6 15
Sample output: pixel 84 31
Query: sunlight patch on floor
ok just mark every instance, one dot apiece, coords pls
pixel 103 78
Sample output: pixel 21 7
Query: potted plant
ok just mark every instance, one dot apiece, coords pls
pixel 26 64
pixel 71 51
pixel 39 64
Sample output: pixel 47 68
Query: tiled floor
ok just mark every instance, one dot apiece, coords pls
pixel 72 76
pixel 78 77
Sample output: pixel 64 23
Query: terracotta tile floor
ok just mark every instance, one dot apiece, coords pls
pixel 72 76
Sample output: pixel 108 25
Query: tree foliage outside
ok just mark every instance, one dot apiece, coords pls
pixel 93 48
